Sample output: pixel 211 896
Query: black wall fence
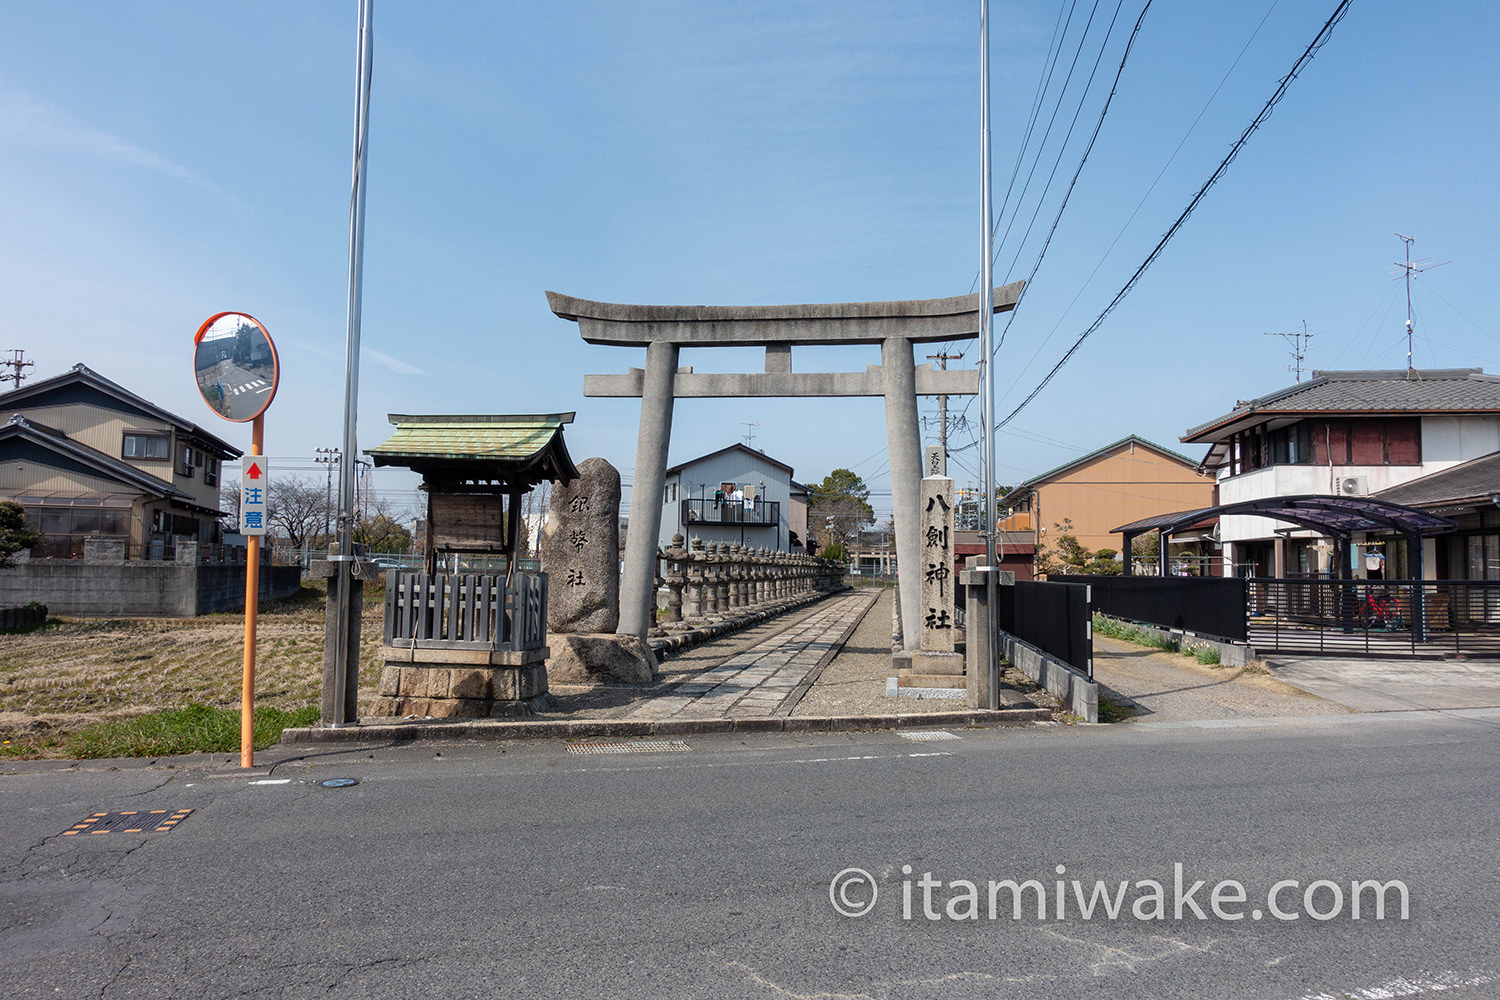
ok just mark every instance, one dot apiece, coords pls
pixel 1209 606
pixel 1054 617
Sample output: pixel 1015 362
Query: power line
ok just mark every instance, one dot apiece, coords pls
pixel 1114 87
pixel 1141 204
pixel 1265 112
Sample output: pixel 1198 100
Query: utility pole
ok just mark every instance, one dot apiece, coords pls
pixel 1299 347
pixel 16 363
pixel 328 457
pixel 987 358
pixel 942 360
pixel 339 688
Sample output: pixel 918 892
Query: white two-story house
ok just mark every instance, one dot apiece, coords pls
pixel 1342 433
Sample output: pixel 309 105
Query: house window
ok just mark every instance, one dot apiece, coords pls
pixel 211 472
pixel 185 465
pixel 671 493
pixel 148 446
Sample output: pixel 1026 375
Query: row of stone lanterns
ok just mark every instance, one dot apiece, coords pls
pixel 720 580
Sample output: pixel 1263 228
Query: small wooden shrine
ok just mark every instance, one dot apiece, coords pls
pixel 475 470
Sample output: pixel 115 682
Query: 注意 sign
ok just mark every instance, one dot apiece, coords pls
pixel 937 565
pixel 255 487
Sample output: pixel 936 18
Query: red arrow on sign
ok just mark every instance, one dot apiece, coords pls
pixel 254 471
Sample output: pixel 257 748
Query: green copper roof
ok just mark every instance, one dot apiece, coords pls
pixel 505 438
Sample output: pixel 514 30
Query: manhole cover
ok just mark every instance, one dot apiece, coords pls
pixel 136 821
pixel 926 735
pixel 338 782
pixel 632 746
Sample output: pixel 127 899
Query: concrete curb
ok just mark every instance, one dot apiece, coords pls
pixel 1231 653
pixel 1067 683
pixel 484 729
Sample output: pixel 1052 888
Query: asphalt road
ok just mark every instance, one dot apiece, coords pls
pixel 485 870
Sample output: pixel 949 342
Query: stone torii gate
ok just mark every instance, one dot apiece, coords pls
pixel 664 330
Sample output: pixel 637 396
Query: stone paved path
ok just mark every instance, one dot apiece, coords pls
pixel 758 681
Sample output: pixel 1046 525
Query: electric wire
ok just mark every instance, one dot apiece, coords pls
pixel 1265 112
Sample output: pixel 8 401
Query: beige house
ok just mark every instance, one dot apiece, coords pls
pixel 1122 482
pixel 87 458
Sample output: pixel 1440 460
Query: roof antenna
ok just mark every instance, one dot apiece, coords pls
pixel 1299 347
pixel 750 426
pixel 1408 268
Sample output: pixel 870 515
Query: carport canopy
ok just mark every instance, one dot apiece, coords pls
pixel 1338 517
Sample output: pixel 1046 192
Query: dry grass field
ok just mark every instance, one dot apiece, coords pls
pixel 71 673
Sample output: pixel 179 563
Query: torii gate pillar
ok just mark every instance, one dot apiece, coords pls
pixel 664 330
pixel 638 586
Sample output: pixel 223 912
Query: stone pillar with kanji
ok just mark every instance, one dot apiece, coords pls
pixel 580 549
pixel 935 662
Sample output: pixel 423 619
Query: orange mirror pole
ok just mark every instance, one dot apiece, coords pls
pixel 252 606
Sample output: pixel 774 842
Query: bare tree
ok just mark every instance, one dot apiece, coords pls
pixel 295 507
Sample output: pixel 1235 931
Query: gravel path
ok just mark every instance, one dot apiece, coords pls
pixel 853 682
pixel 1170 687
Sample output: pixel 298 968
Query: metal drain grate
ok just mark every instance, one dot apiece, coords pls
pixel 152 821
pixel 632 746
pixel 926 735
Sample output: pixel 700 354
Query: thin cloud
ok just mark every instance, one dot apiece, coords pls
pixel 399 367
pixel 28 121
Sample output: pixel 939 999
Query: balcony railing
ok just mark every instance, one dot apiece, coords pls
pixel 730 512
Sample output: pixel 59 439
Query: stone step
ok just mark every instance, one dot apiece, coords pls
pixel 910 680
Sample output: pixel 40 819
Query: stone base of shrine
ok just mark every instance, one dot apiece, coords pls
pixel 933 670
pixel 461 683
pixel 600 658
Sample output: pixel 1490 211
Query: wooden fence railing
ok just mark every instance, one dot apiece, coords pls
pixel 465 611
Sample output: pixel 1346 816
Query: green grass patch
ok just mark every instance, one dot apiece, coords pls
pixel 1132 633
pixel 1207 655
pixel 1110 711
pixel 194 729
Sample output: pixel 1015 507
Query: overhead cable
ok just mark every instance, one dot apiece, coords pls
pixel 1265 112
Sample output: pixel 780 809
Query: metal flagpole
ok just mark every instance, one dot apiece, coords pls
pixel 344 558
pixel 986 352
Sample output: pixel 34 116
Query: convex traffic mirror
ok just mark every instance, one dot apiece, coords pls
pixel 235 365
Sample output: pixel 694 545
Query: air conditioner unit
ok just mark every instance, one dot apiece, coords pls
pixel 1353 486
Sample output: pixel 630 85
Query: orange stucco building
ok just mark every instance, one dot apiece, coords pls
pixel 1117 484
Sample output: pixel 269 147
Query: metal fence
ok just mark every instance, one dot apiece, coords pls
pixel 465 611
pixel 1053 617
pixel 1205 605
pixel 1374 617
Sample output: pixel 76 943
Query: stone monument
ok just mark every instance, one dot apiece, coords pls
pixel 580 552
pixel 935 662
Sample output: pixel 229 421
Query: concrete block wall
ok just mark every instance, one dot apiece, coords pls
pixel 1071 686
pixel 138 588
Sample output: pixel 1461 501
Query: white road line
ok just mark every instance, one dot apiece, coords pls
pixel 762 763
pixel 1403 987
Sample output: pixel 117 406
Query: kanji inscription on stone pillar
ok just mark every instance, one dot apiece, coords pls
pixel 934 461
pixel 936 565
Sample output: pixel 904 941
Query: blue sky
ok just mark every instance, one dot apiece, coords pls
pixel 160 162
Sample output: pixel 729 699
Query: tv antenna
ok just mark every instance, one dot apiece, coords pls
pixel 1408 268
pixel 750 426
pixel 1298 340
